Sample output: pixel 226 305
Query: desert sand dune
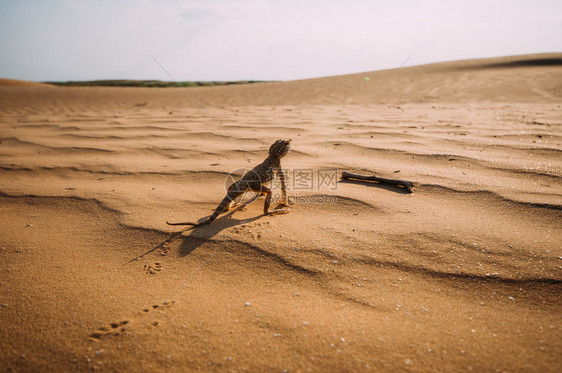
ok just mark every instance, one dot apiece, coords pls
pixel 463 274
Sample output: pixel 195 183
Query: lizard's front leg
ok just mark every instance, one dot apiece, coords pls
pixel 283 187
pixel 284 201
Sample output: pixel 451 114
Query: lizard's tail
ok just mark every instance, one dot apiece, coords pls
pixel 183 223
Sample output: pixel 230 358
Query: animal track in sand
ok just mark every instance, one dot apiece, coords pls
pixel 255 229
pixel 158 307
pixel 112 329
pixel 165 248
pixel 152 269
pixel 118 328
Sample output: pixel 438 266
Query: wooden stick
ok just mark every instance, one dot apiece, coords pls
pixel 406 184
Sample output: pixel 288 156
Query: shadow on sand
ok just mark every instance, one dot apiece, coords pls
pixel 199 235
pixel 374 184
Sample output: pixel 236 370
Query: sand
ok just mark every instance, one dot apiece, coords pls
pixel 463 274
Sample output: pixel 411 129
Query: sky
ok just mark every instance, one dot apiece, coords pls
pixel 60 40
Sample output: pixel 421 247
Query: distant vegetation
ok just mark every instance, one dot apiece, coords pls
pixel 149 83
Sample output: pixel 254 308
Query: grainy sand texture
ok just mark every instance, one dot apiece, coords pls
pixel 463 274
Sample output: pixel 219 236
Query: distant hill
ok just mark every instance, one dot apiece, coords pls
pixel 18 83
pixel 505 79
pixel 149 83
pixel 526 78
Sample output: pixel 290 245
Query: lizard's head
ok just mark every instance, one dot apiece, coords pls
pixel 280 148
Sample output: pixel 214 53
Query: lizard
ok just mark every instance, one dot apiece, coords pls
pixel 254 180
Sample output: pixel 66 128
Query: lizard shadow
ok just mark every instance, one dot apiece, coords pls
pixel 375 184
pixel 198 236
pixel 195 238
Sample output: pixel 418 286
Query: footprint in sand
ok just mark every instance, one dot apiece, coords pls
pixel 164 249
pixel 152 269
pixel 254 229
pixel 117 328
pixel 112 329
pixel 158 307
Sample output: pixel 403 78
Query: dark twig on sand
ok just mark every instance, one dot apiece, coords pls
pixel 406 184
